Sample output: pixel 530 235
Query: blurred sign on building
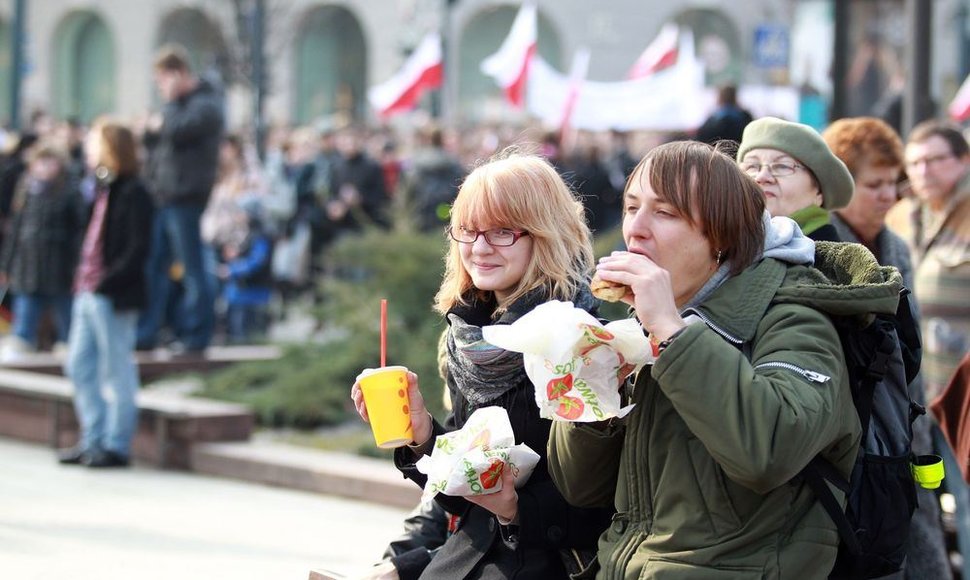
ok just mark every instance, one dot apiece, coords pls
pixel 771 46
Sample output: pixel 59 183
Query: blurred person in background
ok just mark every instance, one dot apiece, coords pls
pixel 935 222
pixel 40 251
pixel 246 270
pixel 221 224
pixel 360 194
pixel 432 180
pixel 587 173
pixel 799 175
pixel 12 167
pixel 873 153
pixel 110 288
pixel 728 120
pixel 183 144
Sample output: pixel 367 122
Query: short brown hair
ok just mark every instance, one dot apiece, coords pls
pixel 708 188
pixel 119 150
pixel 861 140
pixel 173 58
pixel 943 129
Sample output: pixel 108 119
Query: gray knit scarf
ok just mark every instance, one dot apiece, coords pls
pixel 483 372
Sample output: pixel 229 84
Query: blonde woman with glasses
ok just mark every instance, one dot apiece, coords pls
pixel 517 239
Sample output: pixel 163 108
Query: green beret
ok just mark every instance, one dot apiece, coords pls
pixel 807 147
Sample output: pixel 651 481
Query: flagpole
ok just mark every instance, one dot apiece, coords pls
pixel 446 93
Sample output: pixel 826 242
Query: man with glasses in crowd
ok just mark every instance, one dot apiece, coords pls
pixel 935 222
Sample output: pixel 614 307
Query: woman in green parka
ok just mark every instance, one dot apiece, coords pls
pixel 749 386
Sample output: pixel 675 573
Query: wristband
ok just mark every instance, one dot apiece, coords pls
pixel 660 346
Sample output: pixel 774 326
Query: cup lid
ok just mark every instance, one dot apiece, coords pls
pixel 368 372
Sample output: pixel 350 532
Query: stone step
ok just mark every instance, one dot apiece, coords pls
pixel 327 472
pixel 154 364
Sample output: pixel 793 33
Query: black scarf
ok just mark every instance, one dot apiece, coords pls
pixel 483 372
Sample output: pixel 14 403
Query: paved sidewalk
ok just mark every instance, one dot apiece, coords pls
pixel 145 524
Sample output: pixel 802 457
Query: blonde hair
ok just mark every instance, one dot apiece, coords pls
pixel 521 192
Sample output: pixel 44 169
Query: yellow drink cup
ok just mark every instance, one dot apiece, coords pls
pixel 385 393
pixel 928 471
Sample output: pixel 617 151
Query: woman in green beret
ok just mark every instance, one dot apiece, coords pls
pixel 800 176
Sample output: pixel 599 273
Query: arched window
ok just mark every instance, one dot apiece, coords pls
pixel 84 68
pixel 331 65
pixel 202 39
pixel 718 44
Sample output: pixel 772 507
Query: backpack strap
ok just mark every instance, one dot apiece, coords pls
pixel 871 375
pixel 816 474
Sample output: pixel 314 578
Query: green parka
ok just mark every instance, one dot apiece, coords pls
pixel 701 471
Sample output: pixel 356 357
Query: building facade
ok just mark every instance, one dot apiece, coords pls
pixel 88 57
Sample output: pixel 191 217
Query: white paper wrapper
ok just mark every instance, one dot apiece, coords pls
pixel 575 363
pixel 470 461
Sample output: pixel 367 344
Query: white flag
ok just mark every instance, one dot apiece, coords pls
pixel 660 54
pixel 509 66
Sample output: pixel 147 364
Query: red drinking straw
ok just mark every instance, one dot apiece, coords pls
pixel 383 332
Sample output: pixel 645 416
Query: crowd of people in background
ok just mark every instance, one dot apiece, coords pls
pixel 175 232
pixel 229 252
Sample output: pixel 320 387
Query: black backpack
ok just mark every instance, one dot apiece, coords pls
pixel 882 359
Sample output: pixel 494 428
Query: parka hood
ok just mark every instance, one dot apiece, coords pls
pixel 846 280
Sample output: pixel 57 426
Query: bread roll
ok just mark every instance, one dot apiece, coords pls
pixel 608 291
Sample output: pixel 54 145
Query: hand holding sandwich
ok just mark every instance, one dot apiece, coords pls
pixel 646 287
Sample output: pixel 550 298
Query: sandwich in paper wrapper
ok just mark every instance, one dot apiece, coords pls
pixel 575 363
pixel 471 461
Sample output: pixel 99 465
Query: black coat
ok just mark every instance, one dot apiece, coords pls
pixel 365 174
pixel 127 235
pixel 547 523
pixel 40 249
pixel 184 154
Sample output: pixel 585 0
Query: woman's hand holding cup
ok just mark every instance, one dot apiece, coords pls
pixel 419 425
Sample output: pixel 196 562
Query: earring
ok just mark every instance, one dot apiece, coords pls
pixel 718 258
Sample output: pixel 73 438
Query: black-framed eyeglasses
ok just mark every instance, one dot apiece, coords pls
pixel 775 169
pixel 499 237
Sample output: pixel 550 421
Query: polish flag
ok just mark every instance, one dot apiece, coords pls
pixel 509 66
pixel 660 54
pixel 422 71
pixel 959 108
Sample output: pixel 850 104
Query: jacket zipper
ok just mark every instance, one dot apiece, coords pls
pixel 724 334
pixel 811 376
pixel 631 538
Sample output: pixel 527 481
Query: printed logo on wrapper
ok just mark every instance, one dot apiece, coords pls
pixel 385 393
pixel 471 461
pixel 575 363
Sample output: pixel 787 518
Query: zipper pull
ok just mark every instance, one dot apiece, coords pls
pixel 816 377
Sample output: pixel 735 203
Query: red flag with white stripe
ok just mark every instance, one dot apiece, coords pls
pixel 509 66
pixel 959 108
pixel 660 54
pixel 422 71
